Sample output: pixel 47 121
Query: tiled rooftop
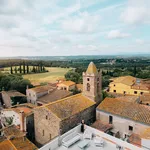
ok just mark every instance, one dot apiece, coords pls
pixel 137 112
pixel 43 88
pixel 68 83
pixel 128 80
pixel 13 93
pixel 69 106
pixel 54 95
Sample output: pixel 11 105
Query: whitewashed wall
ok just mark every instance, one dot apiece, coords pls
pixel 122 124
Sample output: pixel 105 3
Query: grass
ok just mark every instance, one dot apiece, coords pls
pixel 54 74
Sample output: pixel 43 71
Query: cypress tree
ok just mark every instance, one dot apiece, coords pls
pixel 27 68
pixel 15 70
pixel 24 68
pixel 11 70
pixel 20 69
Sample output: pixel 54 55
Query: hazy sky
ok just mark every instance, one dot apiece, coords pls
pixel 74 27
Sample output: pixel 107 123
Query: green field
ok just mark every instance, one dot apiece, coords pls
pixel 51 76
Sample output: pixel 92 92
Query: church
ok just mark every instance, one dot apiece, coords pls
pixel 60 116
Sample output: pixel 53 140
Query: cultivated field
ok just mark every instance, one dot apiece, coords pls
pixel 51 76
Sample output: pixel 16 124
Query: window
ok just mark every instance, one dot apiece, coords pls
pixel 97 87
pixel 88 79
pixel 88 87
pixel 114 85
pixel 114 91
pixel 65 88
pixel 124 92
pixel 135 92
pixel 110 119
pixel 141 93
pixel 43 132
pixel 46 117
pixel 50 136
pixel 130 128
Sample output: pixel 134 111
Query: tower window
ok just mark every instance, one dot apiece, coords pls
pixel 114 91
pixel 97 87
pixel 88 79
pixel 88 87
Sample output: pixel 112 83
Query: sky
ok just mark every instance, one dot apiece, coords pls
pixel 74 27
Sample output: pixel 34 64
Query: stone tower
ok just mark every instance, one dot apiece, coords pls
pixel 92 83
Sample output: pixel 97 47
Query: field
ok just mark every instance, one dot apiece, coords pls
pixel 51 76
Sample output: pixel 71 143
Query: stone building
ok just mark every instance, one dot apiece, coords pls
pixel 8 96
pixel 129 85
pixel 62 115
pixel 126 117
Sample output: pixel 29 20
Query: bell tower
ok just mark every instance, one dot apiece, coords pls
pixel 92 83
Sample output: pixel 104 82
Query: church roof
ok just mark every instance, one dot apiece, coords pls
pixel 91 69
pixel 69 106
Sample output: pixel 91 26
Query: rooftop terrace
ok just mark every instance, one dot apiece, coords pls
pixel 110 142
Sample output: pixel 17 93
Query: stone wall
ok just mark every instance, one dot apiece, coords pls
pixel 46 125
pixel 87 115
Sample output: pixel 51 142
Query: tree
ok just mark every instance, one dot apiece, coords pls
pixel 20 69
pixel 27 68
pixel 24 68
pixel 15 70
pixel 134 71
pixel 73 76
pixel 11 70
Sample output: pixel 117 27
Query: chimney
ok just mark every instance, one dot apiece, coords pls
pixel 22 120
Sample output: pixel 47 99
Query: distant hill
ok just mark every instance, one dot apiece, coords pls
pixel 78 57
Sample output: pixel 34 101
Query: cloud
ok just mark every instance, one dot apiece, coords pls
pixel 116 34
pixel 139 41
pixel 81 23
pixel 136 12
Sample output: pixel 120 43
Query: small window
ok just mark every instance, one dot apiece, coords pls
pixel 65 88
pixel 130 128
pixel 114 85
pixel 114 91
pixel 46 117
pixel 88 79
pixel 43 132
pixel 135 92
pixel 88 87
pixel 124 92
pixel 110 119
pixel 141 93
pixel 50 136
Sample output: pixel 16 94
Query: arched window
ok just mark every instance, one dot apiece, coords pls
pixel 88 87
pixel 97 87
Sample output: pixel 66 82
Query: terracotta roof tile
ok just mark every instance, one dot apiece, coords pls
pixel 69 106
pixel 39 89
pixel 13 93
pixel 137 112
pixel 54 96
pixel 128 80
pixel 67 83
pixel 6 145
